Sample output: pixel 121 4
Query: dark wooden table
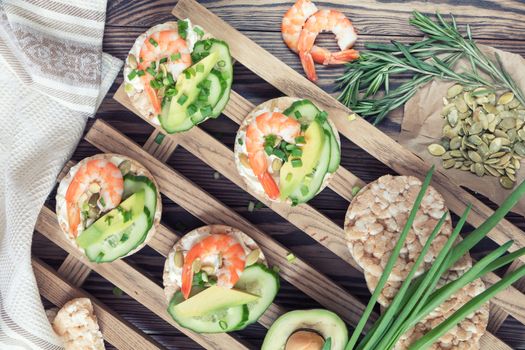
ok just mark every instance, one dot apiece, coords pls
pixel 495 22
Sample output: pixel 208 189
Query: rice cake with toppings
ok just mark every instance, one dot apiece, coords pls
pixel 135 168
pixel 172 275
pixel 373 223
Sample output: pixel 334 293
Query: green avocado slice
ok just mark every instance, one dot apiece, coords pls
pixel 324 322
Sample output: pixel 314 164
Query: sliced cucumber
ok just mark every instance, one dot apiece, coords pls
pixel 312 183
pixel 224 65
pixel 120 243
pixel 305 111
pixel 259 280
pixel 133 184
pixel 215 87
pixel 225 320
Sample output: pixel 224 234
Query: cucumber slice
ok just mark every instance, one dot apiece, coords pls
pixel 221 321
pixel 224 65
pixel 305 111
pixel 121 243
pixel 312 184
pixel 259 280
pixel 134 184
pixel 216 87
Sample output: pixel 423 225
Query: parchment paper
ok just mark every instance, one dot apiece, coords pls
pixel 423 123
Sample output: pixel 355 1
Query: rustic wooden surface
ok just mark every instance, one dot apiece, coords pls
pixel 498 23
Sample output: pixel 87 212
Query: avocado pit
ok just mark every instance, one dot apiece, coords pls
pixel 305 340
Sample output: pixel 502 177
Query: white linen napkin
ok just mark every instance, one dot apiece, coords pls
pixel 53 76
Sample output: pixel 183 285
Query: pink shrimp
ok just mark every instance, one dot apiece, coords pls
pixel 269 123
pixel 96 175
pixel 293 22
pixel 321 21
pixel 232 260
pixel 159 45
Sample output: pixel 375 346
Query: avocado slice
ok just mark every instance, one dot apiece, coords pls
pixel 212 299
pixel 320 321
pixel 290 177
pixel 174 114
pixel 116 220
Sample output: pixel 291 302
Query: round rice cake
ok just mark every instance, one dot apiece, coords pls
pixel 373 224
pixel 172 275
pixel 135 168
pixel 274 105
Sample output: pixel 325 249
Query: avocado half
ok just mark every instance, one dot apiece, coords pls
pixel 323 322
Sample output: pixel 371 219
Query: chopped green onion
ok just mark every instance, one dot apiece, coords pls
pixel 327 344
pixel 192 109
pixel 132 74
pixel 297 152
pixel 159 138
pixel 151 71
pixel 187 74
pixel 221 63
pixel 278 153
pixel 117 292
pixel 182 27
pixel 240 141
pixel 268 149
pixel 290 147
pixel 297 115
pixel 171 81
pixel 153 42
pixel 163 60
pixel 207 45
pixel 206 111
pixel 199 68
pixel 171 92
pixel 304 127
pixel 259 205
pixel 199 31
pixel 294 202
pixel 99 257
pixel 141 73
pixel 183 98
pixel 206 84
pixel 124 237
pixel 300 140
pixel 175 56
pixel 297 163
pixel 355 190
pixel 321 117
pixel 290 257
pixel 155 84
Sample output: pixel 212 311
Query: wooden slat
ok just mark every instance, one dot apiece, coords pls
pixel 133 283
pixel 304 217
pixel 210 210
pixel 358 131
pixel 115 330
pixel 73 271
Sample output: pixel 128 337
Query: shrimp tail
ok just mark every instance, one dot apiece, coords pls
pixel 152 95
pixel 187 279
pixel 308 65
pixel 325 57
pixel 269 185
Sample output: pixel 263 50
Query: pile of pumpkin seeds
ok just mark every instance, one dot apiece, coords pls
pixel 482 134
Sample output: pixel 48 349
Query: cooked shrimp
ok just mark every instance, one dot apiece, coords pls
pixel 97 175
pixel 293 22
pixel 269 123
pixel 232 257
pixel 159 45
pixel 322 21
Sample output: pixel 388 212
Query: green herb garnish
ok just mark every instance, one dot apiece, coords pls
pixel 182 28
pixel 297 163
pixel 192 109
pixel 117 292
pixel 153 42
pixel 182 98
pixel 206 111
pixel 199 31
pixel 175 56
pixel 132 74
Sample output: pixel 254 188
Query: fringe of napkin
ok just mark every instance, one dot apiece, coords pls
pixel 54 76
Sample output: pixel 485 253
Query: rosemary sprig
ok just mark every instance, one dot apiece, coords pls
pixel 433 57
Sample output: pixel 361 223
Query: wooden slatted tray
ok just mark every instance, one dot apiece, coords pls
pixel 59 286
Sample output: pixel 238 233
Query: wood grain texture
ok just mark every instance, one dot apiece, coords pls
pixel 74 271
pixel 115 330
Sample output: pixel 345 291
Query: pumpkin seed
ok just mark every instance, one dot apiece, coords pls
pixel 512 134
pixel 449 163
pixel 521 134
pixel 490 108
pixel 455 143
pixel 495 145
pixel 514 104
pixel 454 90
pixel 458 164
pixel 507 123
pixel 436 149
pixel 253 257
pixel 505 159
pixel 506 182
pixel 456 154
pixel 196 265
pixel 243 158
pixel 467 97
pixel 479 169
pixel 178 259
pixel 461 105
pixel 446 156
pixel 475 140
pixel 505 98
pixel 476 128
pixel 132 61
pixel 125 167
pixel 474 156
pixel 484 120
pixel 519 148
pixel 453 117
pixel 491 170
pixel 492 161
pixel 276 165
pixel 510 175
